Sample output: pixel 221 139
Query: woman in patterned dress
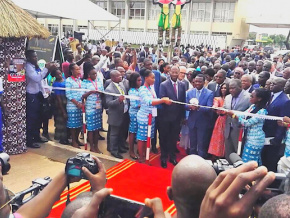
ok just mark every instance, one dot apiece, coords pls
pixel 135 82
pixel 217 142
pixel 93 106
pixel 149 101
pixel 255 136
pixel 74 104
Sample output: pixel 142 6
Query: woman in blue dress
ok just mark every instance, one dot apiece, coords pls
pixel 135 82
pixel 286 123
pixel 74 104
pixel 93 106
pixel 255 136
pixel 149 101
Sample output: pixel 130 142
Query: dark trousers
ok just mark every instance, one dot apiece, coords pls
pixel 154 140
pixel 198 141
pixel 271 155
pixel 33 116
pixel 118 135
pixel 169 132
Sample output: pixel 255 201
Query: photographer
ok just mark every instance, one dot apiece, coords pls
pixel 41 205
pixel 222 197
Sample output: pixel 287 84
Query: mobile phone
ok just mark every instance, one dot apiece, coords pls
pixel 117 207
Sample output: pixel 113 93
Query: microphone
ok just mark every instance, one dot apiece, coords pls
pixel 236 160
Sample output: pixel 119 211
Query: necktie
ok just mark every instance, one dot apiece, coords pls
pixel 175 90
pixel 121 90
pixel 217 91
pixel 271 99
pixel 198 94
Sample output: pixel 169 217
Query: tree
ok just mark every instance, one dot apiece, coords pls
pixel 252 36
pixel 278 40
pixel 287 41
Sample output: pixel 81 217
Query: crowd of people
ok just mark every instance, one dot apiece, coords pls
pixel 231 79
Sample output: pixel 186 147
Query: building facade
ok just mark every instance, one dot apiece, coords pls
pixel 199 17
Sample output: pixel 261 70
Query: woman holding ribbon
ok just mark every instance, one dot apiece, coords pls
pixel 135 82
pixel 254 135
pixel 93 106
pixel 148 108
pixel 74 104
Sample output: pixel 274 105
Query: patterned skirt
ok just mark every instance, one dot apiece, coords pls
pixel 133 123
pixel 74 116
pixel 94 119
pixel 253 148
pixel 142 132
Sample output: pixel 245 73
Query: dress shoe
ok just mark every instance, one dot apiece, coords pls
pixel 174 162
pixel 64 142
pixel 46 135
pixel 41 139
pixel 154 150
pixel 177 151
pixel 122 151
pixel 101 138
pixel 163 164
pixel 117 155
pixel 103 130
pixel 34 145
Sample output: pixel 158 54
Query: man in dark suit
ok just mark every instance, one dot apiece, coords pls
pixel 199 118
pixel 238 100
pixel 170 116
pixel 273 149
pixel 220 78
pixel 124 80
pixel 117 114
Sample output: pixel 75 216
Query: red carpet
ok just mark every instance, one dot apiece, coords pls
pixel 130 180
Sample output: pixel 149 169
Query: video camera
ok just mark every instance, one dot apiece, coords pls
pixel 222 165
pixel 37 186
pixel 74 165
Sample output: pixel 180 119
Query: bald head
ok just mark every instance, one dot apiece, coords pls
pixel 191 178
pixel 276 207
pixel 286 73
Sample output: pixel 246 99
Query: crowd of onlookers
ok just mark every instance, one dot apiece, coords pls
pixel 211 86
pixel 232 79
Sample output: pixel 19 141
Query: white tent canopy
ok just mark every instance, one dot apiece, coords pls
pixel 66 9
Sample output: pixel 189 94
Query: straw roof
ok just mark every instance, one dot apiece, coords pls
pixel 15 22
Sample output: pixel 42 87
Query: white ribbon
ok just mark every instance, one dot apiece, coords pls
pixel 238 113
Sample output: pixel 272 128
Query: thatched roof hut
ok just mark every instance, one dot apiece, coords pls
pixel 15 22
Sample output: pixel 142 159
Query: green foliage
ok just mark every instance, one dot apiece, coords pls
pixel 278 40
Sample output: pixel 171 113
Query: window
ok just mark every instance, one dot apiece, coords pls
pixel 201 12
pixel 137 10
pixel 224 12
pixel 53 29
pixel 102 4
pixel 118 9
pixel 82 27
pixel 221 33
pixel 153 11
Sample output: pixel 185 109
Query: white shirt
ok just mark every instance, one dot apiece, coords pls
pixel 248 90
pixel 275 95
pixel 176 86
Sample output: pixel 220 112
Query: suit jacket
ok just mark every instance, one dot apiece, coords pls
pixel 202 117
pixel 212 86
pixel 186 84
pixel 173 112
pixel 242 105
pixel 125 83
pixel 115 108
pixel 276 108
